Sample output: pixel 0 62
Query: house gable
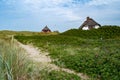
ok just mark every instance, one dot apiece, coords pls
pixel 46 29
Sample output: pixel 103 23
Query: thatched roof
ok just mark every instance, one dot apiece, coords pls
pixel 90 23
pixel 46 29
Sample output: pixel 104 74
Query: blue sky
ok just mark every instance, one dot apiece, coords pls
pixel 61 15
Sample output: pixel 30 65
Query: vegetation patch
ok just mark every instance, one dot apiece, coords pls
pixel 13 62
pixel 99 58
pixel 105 32
pixel 15 65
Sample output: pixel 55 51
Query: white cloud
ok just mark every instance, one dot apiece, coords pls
pixel 45 3
pixel 59 12
pixel 101 2
pixel 68 14
pixel 53 7
pixel 42 7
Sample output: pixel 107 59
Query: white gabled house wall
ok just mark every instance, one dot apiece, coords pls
pixel 85 28
pixel 96 27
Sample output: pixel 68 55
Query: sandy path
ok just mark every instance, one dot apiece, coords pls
pixel 37 56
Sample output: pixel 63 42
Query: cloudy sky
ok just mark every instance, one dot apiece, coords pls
pixel 61 15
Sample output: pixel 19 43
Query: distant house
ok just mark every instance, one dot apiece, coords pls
pixel 89 24
pixel 46 29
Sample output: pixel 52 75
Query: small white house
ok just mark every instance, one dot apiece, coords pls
pixel 89 24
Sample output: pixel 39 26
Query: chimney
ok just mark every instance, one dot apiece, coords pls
pixel 88 18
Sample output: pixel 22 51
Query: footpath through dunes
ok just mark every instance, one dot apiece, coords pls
pixel 45 61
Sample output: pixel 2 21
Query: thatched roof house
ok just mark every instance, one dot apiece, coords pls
pixel 89 24
pixel 46 29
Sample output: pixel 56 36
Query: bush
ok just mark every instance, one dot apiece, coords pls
pixel 105 32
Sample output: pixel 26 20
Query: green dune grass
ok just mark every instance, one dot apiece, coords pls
pixel 15 65
pixel 92 55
